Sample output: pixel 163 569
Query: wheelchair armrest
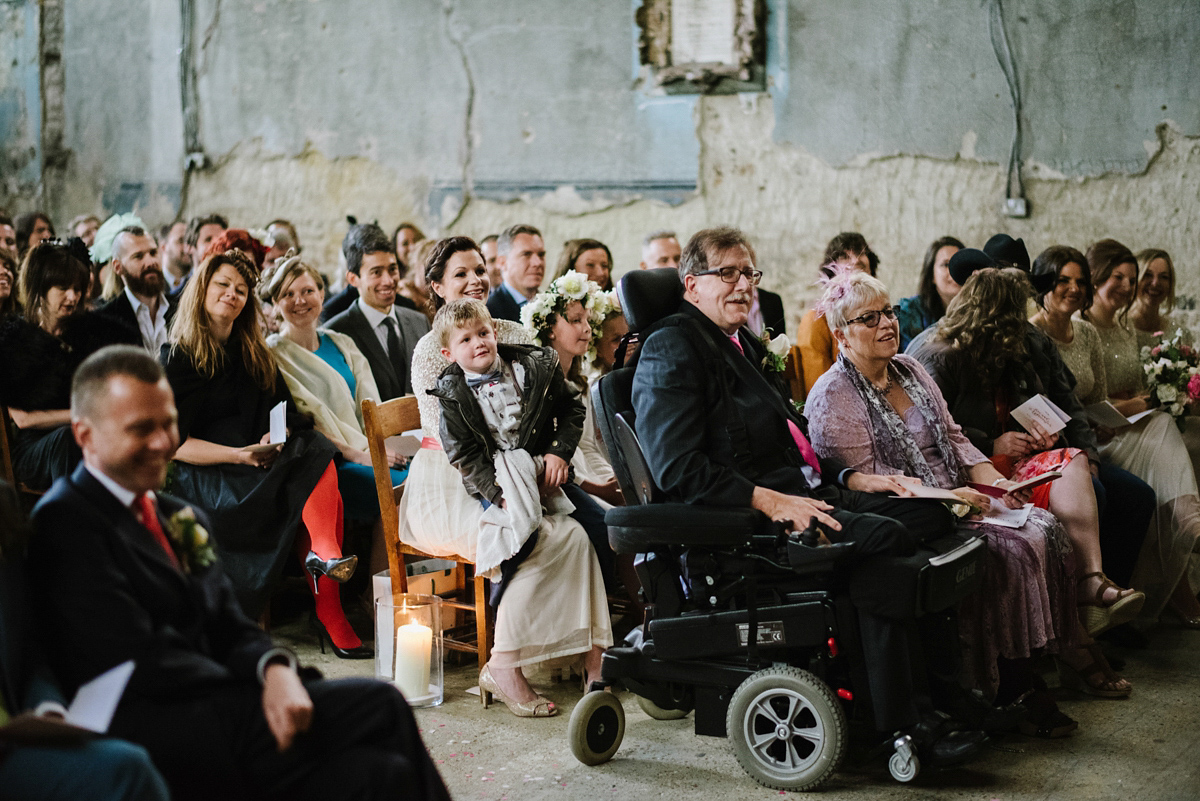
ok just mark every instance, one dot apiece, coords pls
pixel 805 560
pixel 636 529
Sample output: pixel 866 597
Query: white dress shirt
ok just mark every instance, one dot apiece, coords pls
pixel 126 497
pixel 153 329
pixel 376 318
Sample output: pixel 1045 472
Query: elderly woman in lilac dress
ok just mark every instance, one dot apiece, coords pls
pixel 880 412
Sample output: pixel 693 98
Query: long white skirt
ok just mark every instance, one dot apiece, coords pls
pixel 554 605
pixel 1154 450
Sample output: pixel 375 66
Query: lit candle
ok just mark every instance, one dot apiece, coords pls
pixel 414 643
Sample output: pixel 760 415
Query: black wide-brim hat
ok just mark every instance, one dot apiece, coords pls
pixel 967 261
pixel 1008 251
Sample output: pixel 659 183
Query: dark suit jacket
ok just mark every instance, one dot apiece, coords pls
pixel 112 594
pixel 502 306
pixel 338 303
pixel 25 679
pixel 684 423
pixel 413 325
pixel 121 309
pixel 772 312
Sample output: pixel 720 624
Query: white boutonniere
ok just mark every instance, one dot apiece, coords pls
pixel 778 348
pixel 190 540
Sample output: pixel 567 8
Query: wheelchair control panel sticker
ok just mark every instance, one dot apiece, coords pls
pixel 769 633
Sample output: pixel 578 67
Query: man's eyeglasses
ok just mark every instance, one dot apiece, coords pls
pixel 730 275
pixel 871 318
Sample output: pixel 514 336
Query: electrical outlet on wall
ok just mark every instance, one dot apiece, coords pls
pixel 1016 207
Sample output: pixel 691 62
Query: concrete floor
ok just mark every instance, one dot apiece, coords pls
pixel 1145 748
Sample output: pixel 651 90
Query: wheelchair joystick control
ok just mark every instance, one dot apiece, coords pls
pixel 809 537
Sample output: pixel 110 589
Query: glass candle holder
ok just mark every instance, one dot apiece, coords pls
pixel 408 646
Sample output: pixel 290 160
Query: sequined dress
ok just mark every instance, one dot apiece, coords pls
pixel 1153 450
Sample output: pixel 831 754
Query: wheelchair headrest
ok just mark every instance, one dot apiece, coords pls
pixel 648 296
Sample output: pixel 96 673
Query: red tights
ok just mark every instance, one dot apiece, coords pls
pixel 322 534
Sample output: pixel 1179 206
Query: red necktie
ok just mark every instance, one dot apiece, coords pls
pixel 144 505
pixel 806 450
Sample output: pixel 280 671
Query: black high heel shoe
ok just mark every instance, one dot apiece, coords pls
pixel 358 652
pixel 340 568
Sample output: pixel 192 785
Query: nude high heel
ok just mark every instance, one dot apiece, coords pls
pixel 539 707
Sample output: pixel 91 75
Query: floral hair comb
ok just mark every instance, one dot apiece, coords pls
pixel 834 279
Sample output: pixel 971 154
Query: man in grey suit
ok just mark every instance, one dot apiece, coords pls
pixel 521 256
pixel 385 332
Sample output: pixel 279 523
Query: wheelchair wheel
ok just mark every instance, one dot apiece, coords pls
pixel 658 713
pixel 786 728
pixel 596 728
pixel 904 770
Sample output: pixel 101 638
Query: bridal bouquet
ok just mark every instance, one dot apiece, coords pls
pixel 1172 372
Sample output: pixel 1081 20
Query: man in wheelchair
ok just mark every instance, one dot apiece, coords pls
pixel 716 430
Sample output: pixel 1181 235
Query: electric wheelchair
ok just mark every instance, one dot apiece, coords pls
pixel 748 625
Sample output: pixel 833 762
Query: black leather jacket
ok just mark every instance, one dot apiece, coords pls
pixel 551 420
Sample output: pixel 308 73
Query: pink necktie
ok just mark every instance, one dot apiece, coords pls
pixel 149 518
pixel 806 450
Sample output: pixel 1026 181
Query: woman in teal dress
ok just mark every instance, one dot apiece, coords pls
pixel 329 378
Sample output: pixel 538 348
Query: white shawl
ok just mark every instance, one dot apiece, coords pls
pixel 319 390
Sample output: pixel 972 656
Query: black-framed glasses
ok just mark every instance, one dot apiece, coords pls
pixel 730 275
pixel 871 319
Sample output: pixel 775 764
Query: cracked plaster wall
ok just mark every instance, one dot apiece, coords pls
pixel 791 203
pixel 20 102
pixel 889 118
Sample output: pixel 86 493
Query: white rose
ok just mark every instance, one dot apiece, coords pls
pixel 1145 353
pixel 780 346
pixel 572 285
pixel 527 312
pixel 1167 393
pixel 1162 363
pixel 1175 409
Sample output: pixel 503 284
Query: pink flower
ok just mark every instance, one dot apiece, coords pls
pixel 1193 387
pixel 1158 333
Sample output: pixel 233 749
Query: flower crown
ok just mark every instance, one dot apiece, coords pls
pixel 536 314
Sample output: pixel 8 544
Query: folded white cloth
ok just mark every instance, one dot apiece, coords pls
pixel 503 531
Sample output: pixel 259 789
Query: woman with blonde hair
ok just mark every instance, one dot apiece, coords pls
pixel 980 357
pixel 329 378
pixel 264 499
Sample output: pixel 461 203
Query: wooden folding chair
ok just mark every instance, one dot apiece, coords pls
pixel 6 459
pixel 383 420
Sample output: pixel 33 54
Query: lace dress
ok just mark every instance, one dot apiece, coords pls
pixel 1153 450
pixel 555 604
pixel 1027 601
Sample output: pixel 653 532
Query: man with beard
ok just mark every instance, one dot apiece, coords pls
pixel 143 305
